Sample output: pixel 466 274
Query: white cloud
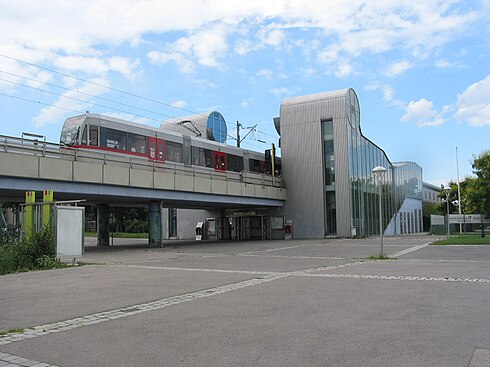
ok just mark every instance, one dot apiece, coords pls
pixel 473 105
pixel 246 103
pixel 388 93
pixel 344 69
pixel 74 101
pixel 97 65
pixel 179 104
pixel 266 73
pixel 272 37
pixel 279 91
pixel 42 30
pixel 398 68
pixel 207 46
pixel 422 113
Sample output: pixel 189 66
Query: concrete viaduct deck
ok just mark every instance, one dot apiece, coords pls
pixel 28 165
pixel 113 179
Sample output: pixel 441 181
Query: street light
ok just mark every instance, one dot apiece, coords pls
pixel 447 190
pixel 379 172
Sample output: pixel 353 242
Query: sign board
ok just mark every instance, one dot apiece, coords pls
pixel 277 223
pixel 69 222
pixel 436 220
pixel 465 218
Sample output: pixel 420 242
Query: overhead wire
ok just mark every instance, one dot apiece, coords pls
pixel 94 96
pixel 76 99
pixel 77 91
pixel 99 85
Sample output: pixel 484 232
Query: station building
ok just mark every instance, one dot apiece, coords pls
pixel 327 165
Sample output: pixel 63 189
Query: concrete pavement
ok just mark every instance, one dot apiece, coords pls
pixel 272 303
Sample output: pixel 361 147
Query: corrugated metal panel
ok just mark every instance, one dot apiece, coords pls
pixel 303 162
pixel 342 180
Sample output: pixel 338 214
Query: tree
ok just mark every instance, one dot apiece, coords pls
pixel 478 188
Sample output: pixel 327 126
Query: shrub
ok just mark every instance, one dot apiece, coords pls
pixel 28 253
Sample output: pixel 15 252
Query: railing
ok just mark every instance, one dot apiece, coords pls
pixel 38 148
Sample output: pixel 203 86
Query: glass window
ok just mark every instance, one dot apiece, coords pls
pixel 93 136
pixel 136 143
pixel 234 163
pixel 111 138
pixel 174 152
pixel 71 130
pixel 84 135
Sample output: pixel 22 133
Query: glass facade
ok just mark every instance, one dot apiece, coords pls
pixel 400 180
pixel 329 172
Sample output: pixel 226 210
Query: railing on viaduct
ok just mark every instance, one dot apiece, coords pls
pixel 28 158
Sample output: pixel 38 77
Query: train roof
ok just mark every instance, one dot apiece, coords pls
pixel 139 128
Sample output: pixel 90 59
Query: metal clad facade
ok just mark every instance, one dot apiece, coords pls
pixel 342 182
pixel 303 162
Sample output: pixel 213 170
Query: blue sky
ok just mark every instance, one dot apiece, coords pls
pixel 420 68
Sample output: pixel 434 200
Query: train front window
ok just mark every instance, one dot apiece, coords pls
pixel 93 136
pixel 71 131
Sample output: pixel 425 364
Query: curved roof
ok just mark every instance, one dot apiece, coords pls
pixel 315 97
pixel 209 125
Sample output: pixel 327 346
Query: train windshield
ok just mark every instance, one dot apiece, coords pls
pixel 71 131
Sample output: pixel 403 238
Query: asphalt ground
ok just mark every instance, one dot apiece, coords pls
pixel 264 303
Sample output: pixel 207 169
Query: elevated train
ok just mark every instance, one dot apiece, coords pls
pixel 109 134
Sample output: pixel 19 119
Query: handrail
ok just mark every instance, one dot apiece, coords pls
pixel 10 144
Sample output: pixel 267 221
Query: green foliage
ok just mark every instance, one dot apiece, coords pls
pixel 29 253
pixel 381 257
pixel 474 239
pixel 478 188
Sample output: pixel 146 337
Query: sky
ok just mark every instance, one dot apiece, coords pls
pixel 421 69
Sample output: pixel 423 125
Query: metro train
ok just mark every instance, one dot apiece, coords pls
pixel 109 134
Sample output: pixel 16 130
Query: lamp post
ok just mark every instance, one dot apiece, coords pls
pixel 447 190
pixel 379 172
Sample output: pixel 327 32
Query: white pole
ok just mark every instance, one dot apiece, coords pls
pixel 459 190
pixel 380 215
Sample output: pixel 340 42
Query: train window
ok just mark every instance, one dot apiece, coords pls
pixel 113 139
pixel 93 136
pixel 136 143
pixel 256 165
pixel 84 136
pixel 234 163
pixel 202 157
pixel 174 152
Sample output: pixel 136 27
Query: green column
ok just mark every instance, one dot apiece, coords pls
pixel 103 214
pixel 30 212
pixel 155 235
pixel 47 208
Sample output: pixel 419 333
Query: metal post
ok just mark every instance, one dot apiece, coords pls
pixel 447 202
pixel 379 172
pixel 447 190
pixel 380 216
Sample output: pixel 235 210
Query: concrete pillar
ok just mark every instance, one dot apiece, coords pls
pixel 30 213
pixel 103 215
pixel 48 200
pixel 155 214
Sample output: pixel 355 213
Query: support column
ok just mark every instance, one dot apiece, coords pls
pixel 48 199
pixel 29 215
pixel 155 235
pixel 103 214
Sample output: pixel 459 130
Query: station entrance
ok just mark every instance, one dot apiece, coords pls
pixel 246 225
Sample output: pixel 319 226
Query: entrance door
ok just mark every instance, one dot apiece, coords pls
pixel 156 149
pixel 219 161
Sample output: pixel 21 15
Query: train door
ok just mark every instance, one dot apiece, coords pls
pixel 156 149
pixel 219 161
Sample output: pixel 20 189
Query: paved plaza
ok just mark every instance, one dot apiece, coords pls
pixel 264 303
